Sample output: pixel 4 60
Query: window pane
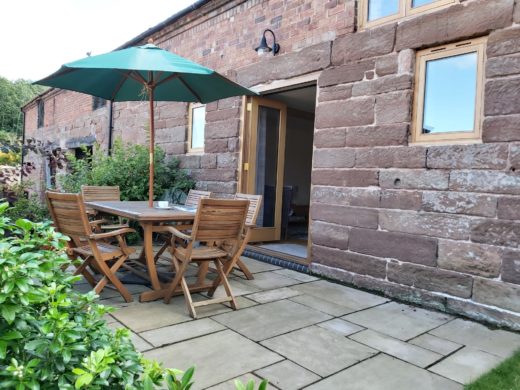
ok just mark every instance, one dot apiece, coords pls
pixel 378 9
pixel 419 3
pixel 198 121
pixel 450 94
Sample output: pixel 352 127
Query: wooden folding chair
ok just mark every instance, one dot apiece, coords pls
pixel 255 202
pixel 100 194
pixel 217 221
pixel 193 198
pixel 70 218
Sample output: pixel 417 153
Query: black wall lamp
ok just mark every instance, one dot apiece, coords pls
pixel 263 48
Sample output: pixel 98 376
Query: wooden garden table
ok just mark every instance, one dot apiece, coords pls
pixel 149 218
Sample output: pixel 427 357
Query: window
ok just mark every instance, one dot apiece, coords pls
pixel 376 12
pixel 448 96
pixel 41 113
pixel 197 121
pixel 97 102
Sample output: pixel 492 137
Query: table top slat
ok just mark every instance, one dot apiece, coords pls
pixel 140 211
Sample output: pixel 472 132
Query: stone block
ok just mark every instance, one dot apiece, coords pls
pixel 483 313
pixel 345 177
pixel 406 61
pixel 222 115
pixel 503 66
pixel 388 135
pixel 230 102
pixel 414 179
pixel 175 134
pixel 500 294
pixel 214 174
pixel 345 196
pixel 175 148
pixel 391 157
pixel 189 162
pixel 387 65
pixel 485 181
pixel 234 144
pixel 484 156
pixel 404 247
pixel 227 187
pixel 508 208
pixel 227 160
pixel 428 224
pixel 337 92
pixel 329 235
pixel 469 258
pixel 511 267
pixel 401 199
pixel 216 145
pixel 208 161
pixel 381 85
pixel 432 279
pixel 329 138
pixel 501 128
pixel 222 129
pixel 501 97
pixel 496 232
pixel 293 64
pixel 334 158
pixel 451 24
pixel 369 43
pixel 459 203
pixel 353 112
pixel 394 108
pixel 503 42
pixel 514 157
pixel 348 73
pixel 345 215
pixel 352 262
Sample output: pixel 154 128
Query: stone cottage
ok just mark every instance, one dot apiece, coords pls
pixel 386 139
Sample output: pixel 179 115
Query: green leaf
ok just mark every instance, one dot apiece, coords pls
pixel 148 383
pixel 66 356
pixel 79 371
pixel 239 385
pixel 250 385
pixel 25 224
pixel 11 335
pixel 3 349
pixel 187 377
pixel 9 313
pixel 263 385
pixel 83 380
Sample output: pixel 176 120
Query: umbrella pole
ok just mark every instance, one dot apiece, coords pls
pixel 152 149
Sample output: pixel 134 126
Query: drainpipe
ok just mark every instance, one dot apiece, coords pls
pixel 110 126
pixel 23 142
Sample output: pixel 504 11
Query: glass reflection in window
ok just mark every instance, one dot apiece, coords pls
pixel 450 94
pixel 197 127
pixel 378 9
pixel 420 3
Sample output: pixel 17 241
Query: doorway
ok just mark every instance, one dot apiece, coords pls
pixel 278 147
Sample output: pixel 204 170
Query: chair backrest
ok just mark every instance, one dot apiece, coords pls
pixel 255 201
pixel 100 194
pixel 219 219
pixel 68 213
pixel 195 195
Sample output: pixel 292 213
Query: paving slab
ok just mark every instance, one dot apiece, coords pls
pixel 152 315
pixel 397 320
pixel 322 305
pixel 243 302
pixel 218 357
pixel 180 332
pixel 287 375
pixel 340 326
pixel 384 372
pixel 409 353
pixel 466 365
pixel 256 266
pixel 230 384
pixel 271 319
pixel 302 277
pixel 273 295
pixel 435 344
pixel 321 351
pixel 270 281
pixel 473 334
pixel 341 295
pixel 238 287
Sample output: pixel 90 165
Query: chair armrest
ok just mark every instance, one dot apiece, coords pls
pixel 98 222
pixel 119 232
pixel 172 230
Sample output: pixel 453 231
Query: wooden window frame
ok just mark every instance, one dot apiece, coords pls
pixel 405 11
pixel 469 46
pixel 191 107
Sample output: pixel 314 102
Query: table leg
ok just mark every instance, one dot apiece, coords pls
pixel 150 263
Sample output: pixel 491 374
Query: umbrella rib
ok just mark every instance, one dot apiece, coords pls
pixel 190 89
pixel 120 84
pixel 170 77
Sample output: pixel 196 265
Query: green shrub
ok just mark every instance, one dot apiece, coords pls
pixel 24 205
pixel 128 168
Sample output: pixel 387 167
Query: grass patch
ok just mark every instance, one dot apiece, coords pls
pixel 505 376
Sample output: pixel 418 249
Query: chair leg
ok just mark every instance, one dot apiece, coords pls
pixel 82 269
pixel 187 296
pixel 110 276
pixel 202 272
pixel 179 274
pixel 240 264
pixel 225 283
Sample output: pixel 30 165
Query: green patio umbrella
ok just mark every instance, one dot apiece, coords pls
pixel 144 73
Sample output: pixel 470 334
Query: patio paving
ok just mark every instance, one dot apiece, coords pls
pixel 299 332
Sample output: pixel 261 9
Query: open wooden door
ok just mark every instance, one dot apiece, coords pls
pixel 263 163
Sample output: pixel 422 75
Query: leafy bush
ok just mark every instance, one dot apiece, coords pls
pixel 24 205
pixel 53 337
pixel 128 168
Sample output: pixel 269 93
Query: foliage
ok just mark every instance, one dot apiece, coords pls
pixel 13 95
pixel 128 168
pixel 25 205
pixel 505 377
pixel 250 385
